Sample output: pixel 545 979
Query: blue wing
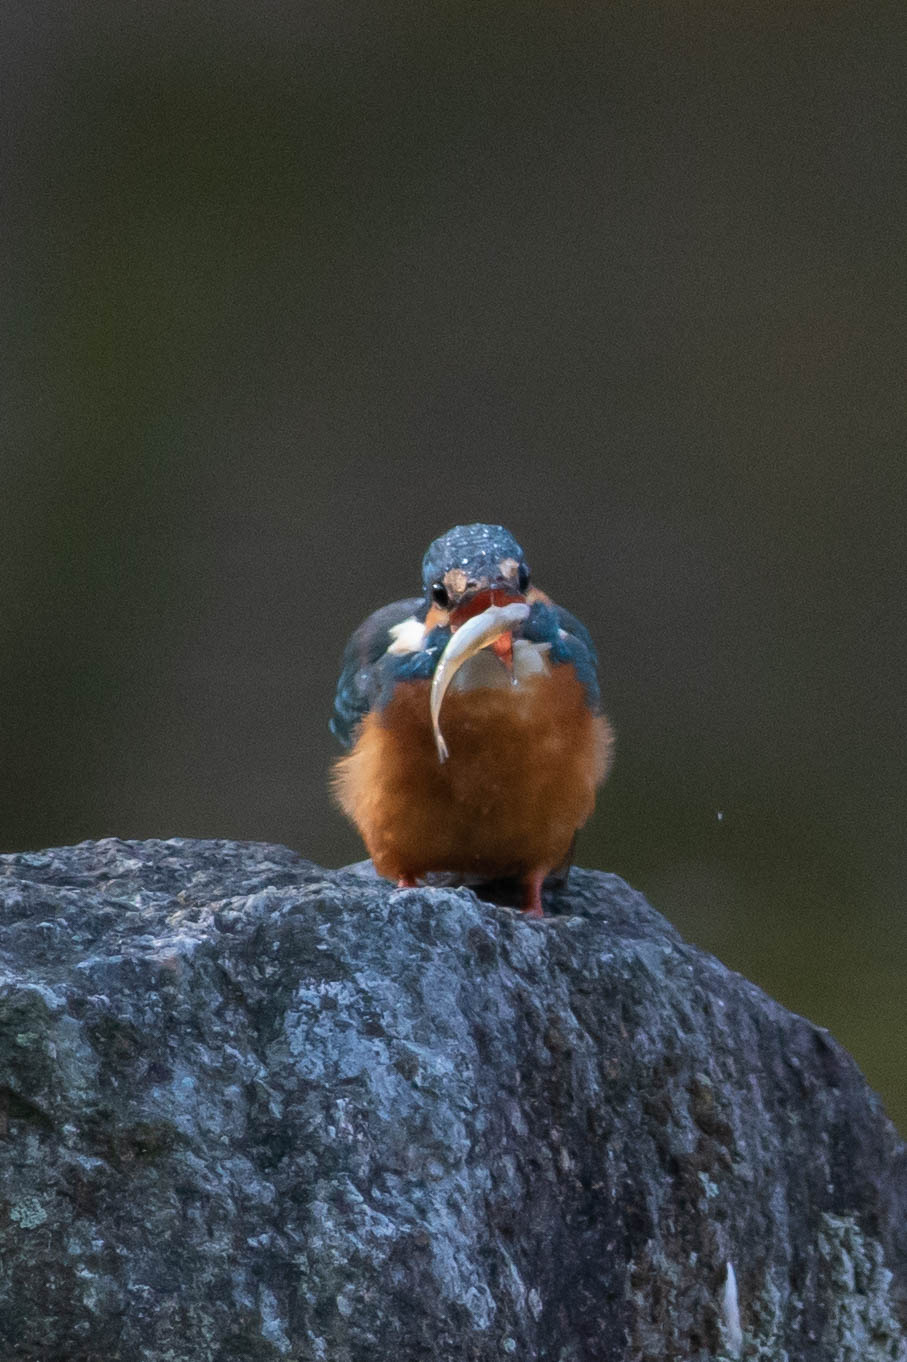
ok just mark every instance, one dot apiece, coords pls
pixel 361 678
pixel 570 642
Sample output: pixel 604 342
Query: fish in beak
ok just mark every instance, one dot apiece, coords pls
pixel 492 627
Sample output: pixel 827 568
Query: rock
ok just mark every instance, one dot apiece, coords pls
pixel 255 1110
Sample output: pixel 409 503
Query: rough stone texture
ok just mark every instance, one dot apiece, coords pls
pixel 255 1110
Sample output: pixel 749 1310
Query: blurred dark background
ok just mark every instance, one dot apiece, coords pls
pixel 291 289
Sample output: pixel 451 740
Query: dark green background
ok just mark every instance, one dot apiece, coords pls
pixel 290 289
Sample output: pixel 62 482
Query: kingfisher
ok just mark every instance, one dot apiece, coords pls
pixel 472 720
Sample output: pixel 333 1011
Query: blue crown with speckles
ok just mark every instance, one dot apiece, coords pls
pixel 477 549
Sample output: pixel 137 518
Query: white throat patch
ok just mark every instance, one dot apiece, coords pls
pixel 484 669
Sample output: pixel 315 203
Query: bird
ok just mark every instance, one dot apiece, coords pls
pixel 511 678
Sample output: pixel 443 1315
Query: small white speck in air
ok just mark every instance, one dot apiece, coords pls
pixel 720 815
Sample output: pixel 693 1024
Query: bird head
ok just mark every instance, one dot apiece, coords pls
pixel 475 578
pixel 469 569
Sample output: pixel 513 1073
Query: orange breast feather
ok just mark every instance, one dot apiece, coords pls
pixel 521 777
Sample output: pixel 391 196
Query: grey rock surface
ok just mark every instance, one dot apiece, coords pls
pixel 254 1110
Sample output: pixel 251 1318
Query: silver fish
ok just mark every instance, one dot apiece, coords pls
pixel 470 638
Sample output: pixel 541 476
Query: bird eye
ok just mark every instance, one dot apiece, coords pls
pixel 523 577
pixel 439 595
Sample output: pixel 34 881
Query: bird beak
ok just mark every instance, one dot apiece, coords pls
pixel 497 592
pixel 492 626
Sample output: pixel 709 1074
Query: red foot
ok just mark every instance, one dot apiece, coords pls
pixel 406 882
pixel 532 894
